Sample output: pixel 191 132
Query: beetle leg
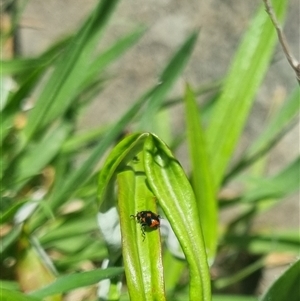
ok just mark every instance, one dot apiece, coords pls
pixel 143 231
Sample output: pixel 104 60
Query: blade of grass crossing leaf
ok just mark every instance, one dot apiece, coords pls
pixel 203 183
pixel 246 73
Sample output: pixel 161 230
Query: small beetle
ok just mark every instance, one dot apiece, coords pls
pixel 147 219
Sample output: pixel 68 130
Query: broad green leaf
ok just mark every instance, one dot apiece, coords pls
pixel 202 181
pixel 245 75
pixel 286 287
pixel 133 196
pixel 143 263
pixel 174 193
pixel 73 281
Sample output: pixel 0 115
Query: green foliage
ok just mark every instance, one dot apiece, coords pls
pixel 50 196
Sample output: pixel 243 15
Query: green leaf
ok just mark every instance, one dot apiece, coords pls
pixel 122 152
pixel 9 295
pixel 15 66
pixel 202 181
pixel 133 196
pixel 286 287
pixel 143 263
pixel 174 193
pixel 73 281
pixel 246 73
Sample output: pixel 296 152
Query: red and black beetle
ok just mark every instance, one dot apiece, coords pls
pixel 147 219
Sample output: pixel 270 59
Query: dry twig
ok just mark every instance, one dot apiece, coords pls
pixel 282 40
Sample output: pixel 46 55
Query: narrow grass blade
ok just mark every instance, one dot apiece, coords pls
pixel 246 73
pixel 73 281
pixel 266 242
pixel 70 71
pixel 111 54
pixel 10 295
pixel 33 162
pixel 8 215
pixel 285 114
pixel 202 180
pixel 167 78
pixel 284 183
pixel 174 193
pixel 271 134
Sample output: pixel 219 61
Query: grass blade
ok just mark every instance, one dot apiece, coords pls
pixel 70 71
pixel 247 71
pixel 202 181
pixel 73 281
pixel 167 79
